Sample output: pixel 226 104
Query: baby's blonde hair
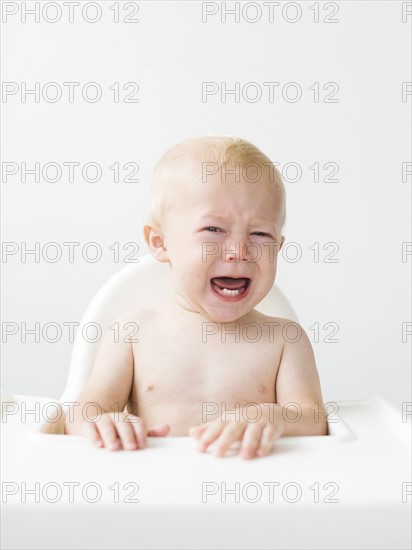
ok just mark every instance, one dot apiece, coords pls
pixel 213 149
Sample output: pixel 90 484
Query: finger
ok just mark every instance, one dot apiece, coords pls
pixel 139 427
pixel 108 433
pixel 267 441
pixel 251 441
pixel 232 432
pixel 89 430
pixel 129 435
pixel 211 433
pixel 160 430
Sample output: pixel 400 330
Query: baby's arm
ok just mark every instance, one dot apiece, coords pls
pixel 298 390
pixel 299 409
pixel 108 389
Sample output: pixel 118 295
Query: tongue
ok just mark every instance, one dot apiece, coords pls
pixel 229 283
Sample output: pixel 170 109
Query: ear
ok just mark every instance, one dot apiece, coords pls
pixel 154 240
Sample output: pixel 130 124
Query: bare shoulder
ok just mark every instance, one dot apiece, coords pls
pixel 138 321
pixel 293 335
pixel 137 315
pixel 288 328
pixel 258 316
pixel 130 326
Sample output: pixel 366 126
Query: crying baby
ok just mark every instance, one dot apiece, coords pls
pixel 216 218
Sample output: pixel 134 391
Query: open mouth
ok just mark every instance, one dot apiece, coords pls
pixel 231 288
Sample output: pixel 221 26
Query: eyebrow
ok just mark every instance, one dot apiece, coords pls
pixel 215 215
pixel 219 216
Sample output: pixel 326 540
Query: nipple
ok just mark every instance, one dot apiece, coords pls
pixel 149 387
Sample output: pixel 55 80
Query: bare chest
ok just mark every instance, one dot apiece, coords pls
pixel 181 367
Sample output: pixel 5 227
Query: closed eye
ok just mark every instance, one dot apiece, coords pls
pixel 214 229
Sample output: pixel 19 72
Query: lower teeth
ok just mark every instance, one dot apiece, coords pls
pixel 229 292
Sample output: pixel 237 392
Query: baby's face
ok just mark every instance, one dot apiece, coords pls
pixel 222 242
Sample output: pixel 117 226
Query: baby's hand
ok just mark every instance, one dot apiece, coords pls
pixel 114 430
pixel 257 437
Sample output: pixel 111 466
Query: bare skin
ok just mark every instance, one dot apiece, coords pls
pixel 196 368
pixel 179 390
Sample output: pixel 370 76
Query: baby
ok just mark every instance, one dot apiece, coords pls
pixel 216 219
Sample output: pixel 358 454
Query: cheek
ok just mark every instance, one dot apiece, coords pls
pixel 268 265
pixel 192 274
pixel 178 247
pixel 270 255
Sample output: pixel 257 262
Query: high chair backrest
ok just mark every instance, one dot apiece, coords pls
pixel 141 285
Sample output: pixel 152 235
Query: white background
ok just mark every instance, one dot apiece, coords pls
pixel 169 53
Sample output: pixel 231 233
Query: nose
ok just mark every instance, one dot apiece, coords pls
pixel 235 249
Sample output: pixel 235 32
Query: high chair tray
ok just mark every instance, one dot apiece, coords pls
pixel 351 489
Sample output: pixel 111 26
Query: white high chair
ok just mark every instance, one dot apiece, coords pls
pixel 354 484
